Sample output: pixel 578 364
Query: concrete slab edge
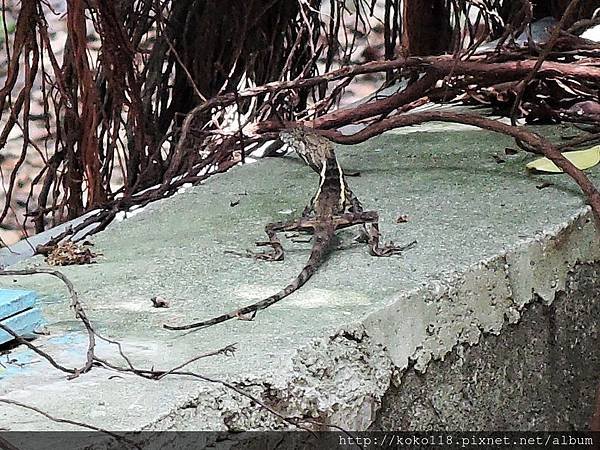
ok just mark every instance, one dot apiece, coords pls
pixel 458 308
pixel 340 379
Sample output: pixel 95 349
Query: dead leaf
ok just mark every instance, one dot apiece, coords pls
pixel 68 253
pixel 582 159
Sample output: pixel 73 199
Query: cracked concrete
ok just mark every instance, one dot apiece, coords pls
pixel 346 347
pixel 538 374
pixel 482 299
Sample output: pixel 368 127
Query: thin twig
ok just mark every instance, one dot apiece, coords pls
pixel 228 350
pixel 75 304
pixel 50 359
pixel 70 422
pixel 543 55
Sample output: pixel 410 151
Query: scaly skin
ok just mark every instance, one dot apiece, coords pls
pixel 333 207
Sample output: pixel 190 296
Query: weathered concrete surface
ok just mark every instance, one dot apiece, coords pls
pixel 488 241
pixel 539 374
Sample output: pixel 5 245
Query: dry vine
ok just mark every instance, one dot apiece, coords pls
pixel 123 129
pixel 150 114
pixel 151 374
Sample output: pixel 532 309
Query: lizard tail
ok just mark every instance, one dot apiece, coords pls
pixel 323 239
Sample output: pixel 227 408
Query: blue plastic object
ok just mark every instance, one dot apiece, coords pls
pixel 18 311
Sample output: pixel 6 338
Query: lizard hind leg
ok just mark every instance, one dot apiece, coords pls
pixel 386 250
pixel 276 253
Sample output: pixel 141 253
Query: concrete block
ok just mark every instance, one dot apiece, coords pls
pixel 495 309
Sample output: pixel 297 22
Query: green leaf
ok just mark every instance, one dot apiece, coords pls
pixel 582 159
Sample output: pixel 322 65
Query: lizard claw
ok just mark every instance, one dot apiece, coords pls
pixel 274 255
pixel 390 249
pixel 269 256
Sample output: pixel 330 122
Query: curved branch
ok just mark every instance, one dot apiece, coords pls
pixel 442 65
pixel 547 148
pixel 79 314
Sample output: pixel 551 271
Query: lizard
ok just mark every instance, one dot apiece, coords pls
pixel 333 207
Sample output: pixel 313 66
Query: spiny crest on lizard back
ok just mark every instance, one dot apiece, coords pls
pixel 310 146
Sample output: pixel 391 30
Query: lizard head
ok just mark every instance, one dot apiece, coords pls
pixel 313 148
pixel 296 139
pixel 292 136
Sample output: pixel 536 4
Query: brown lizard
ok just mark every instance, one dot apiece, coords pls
pixel 332 208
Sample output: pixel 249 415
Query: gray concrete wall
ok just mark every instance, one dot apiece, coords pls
pixel 539 374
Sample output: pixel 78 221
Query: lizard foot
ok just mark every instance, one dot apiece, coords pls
pixel 248 253
pixel 390 249
pixel 274 255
